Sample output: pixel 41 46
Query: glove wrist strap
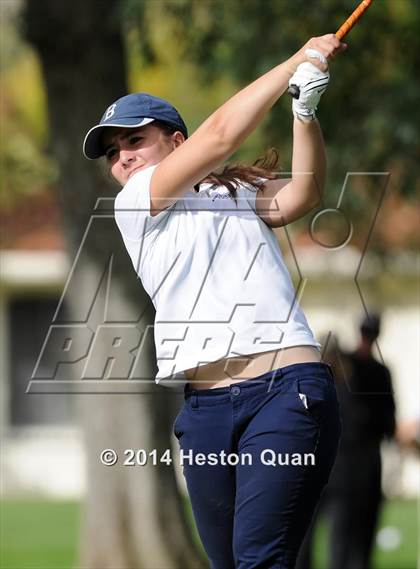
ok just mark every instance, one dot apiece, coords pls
pixel 306 117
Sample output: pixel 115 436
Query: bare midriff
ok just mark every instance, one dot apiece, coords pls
pixel 233 370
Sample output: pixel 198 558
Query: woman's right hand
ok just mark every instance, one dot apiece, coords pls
pixel 328 45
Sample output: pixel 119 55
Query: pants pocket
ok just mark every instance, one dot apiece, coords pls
pixel 312 397
pixel 177 424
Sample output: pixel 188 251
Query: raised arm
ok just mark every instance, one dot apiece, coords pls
pixel 223 132
pixel 285 200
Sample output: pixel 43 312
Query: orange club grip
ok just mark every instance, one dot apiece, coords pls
pixel 340 33
pixel 352 19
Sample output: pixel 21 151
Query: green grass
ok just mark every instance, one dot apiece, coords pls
pixel 38 534
pixel 401 514
pixel 44 535
pixel 404 516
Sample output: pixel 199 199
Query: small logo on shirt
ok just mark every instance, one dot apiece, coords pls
pixel 224 196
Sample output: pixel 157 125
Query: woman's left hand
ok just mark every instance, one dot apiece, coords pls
pixel 311 83
pixel 328 45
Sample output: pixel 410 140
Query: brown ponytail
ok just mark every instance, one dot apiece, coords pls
pixel 232 175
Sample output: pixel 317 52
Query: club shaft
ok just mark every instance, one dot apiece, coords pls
pixel 340 33
pixel 352 19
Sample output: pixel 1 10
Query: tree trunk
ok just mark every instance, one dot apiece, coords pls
pixel 133 516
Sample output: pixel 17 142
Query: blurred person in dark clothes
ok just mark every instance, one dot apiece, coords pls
pixel 352 500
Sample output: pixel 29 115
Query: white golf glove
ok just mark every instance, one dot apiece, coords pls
pixel 312 82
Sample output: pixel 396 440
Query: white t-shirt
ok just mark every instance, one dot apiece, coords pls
pixel 215 274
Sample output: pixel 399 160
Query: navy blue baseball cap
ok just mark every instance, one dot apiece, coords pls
pixel 137 109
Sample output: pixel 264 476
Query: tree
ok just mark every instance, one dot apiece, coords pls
pixel 368 114
pixel 133 516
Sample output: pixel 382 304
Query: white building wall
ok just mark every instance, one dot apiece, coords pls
pixel 50 461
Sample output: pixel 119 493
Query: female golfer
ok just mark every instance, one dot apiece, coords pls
pixel 259 428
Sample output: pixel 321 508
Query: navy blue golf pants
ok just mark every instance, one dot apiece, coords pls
pixel 256 456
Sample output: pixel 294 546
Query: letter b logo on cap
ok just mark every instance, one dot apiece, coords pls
pixel 109 112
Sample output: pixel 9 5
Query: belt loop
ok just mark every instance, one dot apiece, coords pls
pixel 194 399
